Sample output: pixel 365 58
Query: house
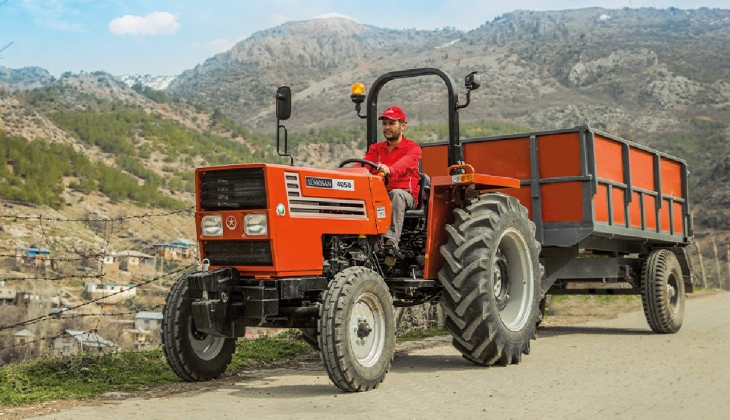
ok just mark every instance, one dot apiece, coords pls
pixel 135 263
pixel 177 249
pixel 7 294
pixel 26 298
pixel 33 255
pixel 72 342
pixel 146 330
pixel 150 321
pixel 23 337
pixel 116 292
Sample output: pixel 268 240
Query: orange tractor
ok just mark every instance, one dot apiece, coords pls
pixel 500 223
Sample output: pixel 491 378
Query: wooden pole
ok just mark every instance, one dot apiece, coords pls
pixel 728 266
pixel 717 264
pixel 702 265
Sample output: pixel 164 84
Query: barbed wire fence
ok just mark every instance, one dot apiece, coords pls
pixel 711 266
pixel 93 284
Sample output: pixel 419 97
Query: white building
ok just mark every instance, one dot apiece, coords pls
pixel 23 337
pixel 150 321
pixel 72 342
pixel 116 292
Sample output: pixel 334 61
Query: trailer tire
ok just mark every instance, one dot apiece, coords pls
pixel 357 330
pixel 192 355
pixel 662 292
pixel 488 323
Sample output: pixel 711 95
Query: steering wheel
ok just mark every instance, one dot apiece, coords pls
pixel 364 162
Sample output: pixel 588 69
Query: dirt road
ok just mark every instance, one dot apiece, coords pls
pixel 602 369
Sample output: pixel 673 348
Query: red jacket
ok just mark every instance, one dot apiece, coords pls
pixel 403 164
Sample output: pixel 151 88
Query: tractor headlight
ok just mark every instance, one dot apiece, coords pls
pixel 212 225
pixel 254 224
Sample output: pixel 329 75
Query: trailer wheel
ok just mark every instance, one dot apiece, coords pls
pixel 492 280
pixel 662 292
pixel 357 330
pixel 192 355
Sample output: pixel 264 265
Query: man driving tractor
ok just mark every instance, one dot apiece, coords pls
pixel 397 158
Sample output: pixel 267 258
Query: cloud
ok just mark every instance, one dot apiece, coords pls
pixel 155 23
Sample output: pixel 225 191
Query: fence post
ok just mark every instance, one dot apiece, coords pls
pixel 728 267
pixel 717 264
pixel 702 265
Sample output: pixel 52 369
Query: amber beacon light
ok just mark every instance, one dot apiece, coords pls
pixel 357 93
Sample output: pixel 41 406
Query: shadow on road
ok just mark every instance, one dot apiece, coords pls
pixel 297 383
pixel 544 332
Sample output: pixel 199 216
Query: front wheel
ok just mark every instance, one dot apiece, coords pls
pixel 491 279
pixel 357 330
pixel 662 292
pixel 193 356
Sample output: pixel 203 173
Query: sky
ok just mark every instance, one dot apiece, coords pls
pixel 166 37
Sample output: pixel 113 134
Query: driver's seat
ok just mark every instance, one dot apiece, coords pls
pixel 422 206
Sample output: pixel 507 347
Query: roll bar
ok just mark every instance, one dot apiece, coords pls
pixel 472 83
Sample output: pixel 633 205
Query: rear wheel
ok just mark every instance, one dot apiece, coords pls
pixel 357 330
pixel 192 355
pixel 492 280
pixel 662 292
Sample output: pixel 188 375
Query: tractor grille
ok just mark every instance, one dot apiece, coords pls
pixel 238 253
pixel 234 189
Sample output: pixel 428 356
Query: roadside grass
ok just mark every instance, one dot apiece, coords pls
pixel 421 334
pixel 86 375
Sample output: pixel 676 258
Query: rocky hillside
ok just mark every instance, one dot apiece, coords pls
pixel 632 70
pixel 25 78
pixel 649 75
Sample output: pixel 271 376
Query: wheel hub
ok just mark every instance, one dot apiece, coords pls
pixel 671 291
pixel 515 298
pixel 205 346
pixel 363 328
pixel 501 280
pixel 367 329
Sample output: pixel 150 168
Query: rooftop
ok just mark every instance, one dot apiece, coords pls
pixel 149 315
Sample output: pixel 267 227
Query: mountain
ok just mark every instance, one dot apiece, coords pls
pixel 319 59
pixel 635 72
pixel 25 78
pixel 154 82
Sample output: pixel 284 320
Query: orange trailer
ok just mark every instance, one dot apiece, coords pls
pixel 581 183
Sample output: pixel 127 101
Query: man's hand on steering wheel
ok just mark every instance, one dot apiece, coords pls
pixel 376 166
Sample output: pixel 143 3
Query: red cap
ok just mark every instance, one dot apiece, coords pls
pixel 393 113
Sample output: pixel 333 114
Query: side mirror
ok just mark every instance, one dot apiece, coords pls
pixel 472 81
pixel 283 103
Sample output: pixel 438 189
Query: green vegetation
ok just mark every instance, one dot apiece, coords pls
pixel 85 376
pixel 705 139
pixel 412 335
pixel 156 95
pixel 118 130
pixel 34 173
